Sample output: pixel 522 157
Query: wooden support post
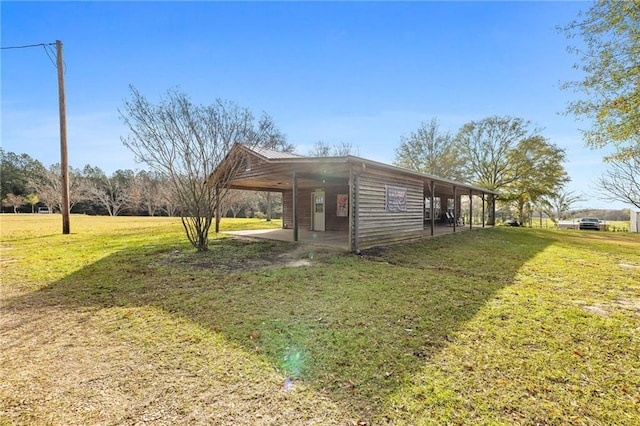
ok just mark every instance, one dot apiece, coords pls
pixel 268 206
pixel 492 218
pixel 217 212
pixel 356 213
pixel 483 209
pixel 455 209
pixel 295 206
pixel 470 209
pixel 64 162
pixel 432 202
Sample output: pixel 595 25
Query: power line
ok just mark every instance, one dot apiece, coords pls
pixel 47 49
pixel 27 45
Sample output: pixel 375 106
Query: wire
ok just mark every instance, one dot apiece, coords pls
pixel 26 46
pixel 47 49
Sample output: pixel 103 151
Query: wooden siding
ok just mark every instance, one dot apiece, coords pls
pixel 332 221
pixel 376 225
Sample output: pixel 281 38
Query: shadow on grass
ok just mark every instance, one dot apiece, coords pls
pixel 354 327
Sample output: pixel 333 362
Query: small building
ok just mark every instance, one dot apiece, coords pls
pixel 368 202
pixel 634 221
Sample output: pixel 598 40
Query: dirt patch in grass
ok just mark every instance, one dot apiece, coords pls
pixel 374 253
pixel 239 254
pixel 627 266
pixel 598 309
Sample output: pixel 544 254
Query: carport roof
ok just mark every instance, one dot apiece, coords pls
pixel 284 164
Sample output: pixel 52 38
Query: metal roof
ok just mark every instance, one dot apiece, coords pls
pixel 271 154
pixel 294 160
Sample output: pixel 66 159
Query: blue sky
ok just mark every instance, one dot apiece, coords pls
pixel 357 72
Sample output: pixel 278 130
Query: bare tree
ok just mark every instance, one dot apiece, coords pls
pixel 234 201
pixel 269 136
pixel 323 149
pixel 14 201
pixel 148 186
pixel 621 182
pixel 114 192
pixel 431 151
pixel 558 205
pixel 48 185
pixel 168 202
pixel 185 143
pixel 320 149
pixel 345 148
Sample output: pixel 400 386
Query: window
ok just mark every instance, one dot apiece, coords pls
pixel 436 208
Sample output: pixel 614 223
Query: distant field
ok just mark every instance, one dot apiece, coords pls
pixel 614 225
pixel 122 322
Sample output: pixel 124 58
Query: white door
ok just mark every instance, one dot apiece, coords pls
pixel 317 209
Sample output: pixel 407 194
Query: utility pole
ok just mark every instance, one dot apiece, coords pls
pixel 64 162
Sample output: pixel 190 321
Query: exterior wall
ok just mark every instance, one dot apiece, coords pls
pixel 287 209
pixel 332 221
pixel 377 225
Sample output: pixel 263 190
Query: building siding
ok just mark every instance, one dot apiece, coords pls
pixel 378 226
pixel 332 221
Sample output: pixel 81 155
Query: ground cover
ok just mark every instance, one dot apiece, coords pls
pixel 122 322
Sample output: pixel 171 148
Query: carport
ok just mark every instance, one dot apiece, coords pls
pixel 351 200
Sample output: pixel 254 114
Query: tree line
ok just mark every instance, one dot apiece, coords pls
pixel 504 154
pixel 26 185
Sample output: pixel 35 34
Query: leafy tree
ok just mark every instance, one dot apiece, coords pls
pixel 32 200
pixel 16 172
pixel 428 150
pixel 610 30
pixel 185 143
pixel 486 149
pixel 537 165
pixel 621 182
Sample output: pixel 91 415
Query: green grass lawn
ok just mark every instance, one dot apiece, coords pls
pixel 123 322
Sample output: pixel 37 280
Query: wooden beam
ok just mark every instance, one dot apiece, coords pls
pixel 483 209
pixel 295 207
pixel 64 162
pixel 432 205
pixel 455 209
pixel 470 210
pixel 217 209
